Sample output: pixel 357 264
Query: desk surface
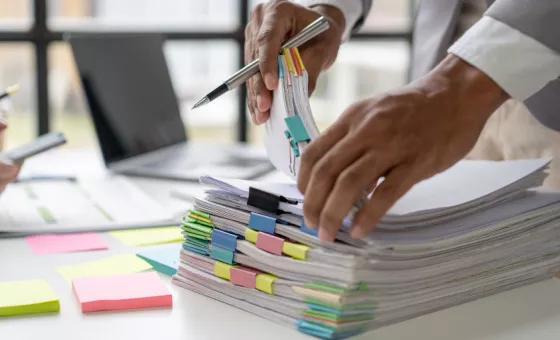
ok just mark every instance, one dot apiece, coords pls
pixel 531 312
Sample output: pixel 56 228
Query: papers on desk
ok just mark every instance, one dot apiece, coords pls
pixel 95 203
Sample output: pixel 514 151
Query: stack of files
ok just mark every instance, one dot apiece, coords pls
pixel 477 229
pixel 239 250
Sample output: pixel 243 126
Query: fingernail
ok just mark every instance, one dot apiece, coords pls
pixel 357 231
pixel 260 103
pixel 326 235
pixel 270 81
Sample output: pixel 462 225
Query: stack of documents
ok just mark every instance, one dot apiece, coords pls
pixel 474 230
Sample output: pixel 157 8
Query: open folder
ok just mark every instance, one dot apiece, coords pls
pixel 477 229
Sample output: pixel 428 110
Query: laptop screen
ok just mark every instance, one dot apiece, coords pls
pixel 129 93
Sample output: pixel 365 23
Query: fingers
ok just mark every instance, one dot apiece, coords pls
pixel 8 172
pixel 324 174
pixel 349 186
pixel 277 24
pixel 397 182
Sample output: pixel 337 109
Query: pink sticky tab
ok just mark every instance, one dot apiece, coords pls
pixel 65 243
pixel 243 276
pixel 118 292
pixel 270 243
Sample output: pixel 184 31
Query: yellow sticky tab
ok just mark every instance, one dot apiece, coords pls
pixel 300 62
pixel 198 217
pixel 264 283
pixel 289 60
pixel 251 235
pixel 148 236
pixel 222 270
pixel 295 250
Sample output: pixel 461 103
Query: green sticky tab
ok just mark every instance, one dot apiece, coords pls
pixel 337 318
pixel 297 129
pixel 325 287
pixel 363 287
pixel 196 241
pixel 201 237
pixel 199 213
pixel 369 305
pixel 198 227
pixel 188 219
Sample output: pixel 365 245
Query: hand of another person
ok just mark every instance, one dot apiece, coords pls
pixel 270 26
pixel 403 137
pixel 8 170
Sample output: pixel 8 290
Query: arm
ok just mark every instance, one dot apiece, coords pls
pixel 354 12
pixel 516 44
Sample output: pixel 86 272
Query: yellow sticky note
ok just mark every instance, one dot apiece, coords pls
pixel 297 251
pixel 251 235
pixel 114 265
pixel 264 283
pixel 148 236
pixel 27 297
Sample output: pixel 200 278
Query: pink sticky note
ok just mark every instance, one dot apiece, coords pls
pixel 65 243
pixel 117 292
pixel 270 243
pixel 243 276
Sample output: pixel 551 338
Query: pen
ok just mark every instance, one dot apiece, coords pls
pixel 45 178
pixel 312 30
pixel 9 91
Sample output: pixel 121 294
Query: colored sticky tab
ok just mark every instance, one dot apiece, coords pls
pixel 264 283
pixel 262 223
pixel 164 259
pixel 280 68
pixel 222 270
pixel 199 213
pixel 289 60
pixel 195 249
pixel 251 235
pixel 148 236
pixel 303 228
pixel 199 218
pixel 119 292
pixel 297 129
pixel 300 61
pixel 296 63
pixel 196 241
pixel 270 243
pixel 243 276
pixel 197 228
pixel 224 239
pixel 114 265
pixel 65 243
pixel 295 250
pixel 221 254
pixel 27 297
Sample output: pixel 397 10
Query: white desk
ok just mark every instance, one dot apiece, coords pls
pixel 531 312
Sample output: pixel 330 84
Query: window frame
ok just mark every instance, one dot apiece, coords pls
pixel 40 36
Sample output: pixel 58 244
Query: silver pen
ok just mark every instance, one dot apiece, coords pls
pixel 312 30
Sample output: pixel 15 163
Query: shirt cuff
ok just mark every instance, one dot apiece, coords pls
pixel 519 64
pixel 351 9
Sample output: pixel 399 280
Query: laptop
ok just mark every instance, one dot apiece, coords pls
pixel 136 115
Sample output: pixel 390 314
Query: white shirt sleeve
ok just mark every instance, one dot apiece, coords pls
pixel 351 9
pixel 519 64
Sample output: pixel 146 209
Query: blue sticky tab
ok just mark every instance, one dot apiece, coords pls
pixel 314 232
pixel 262 223
pixel 221 254
pixel 280 68
pixel 224 239
pixel 297 129
pixel 195 249
pixel 323 332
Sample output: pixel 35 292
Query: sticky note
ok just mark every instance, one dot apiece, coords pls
pixel 27 297
pixel 164 259
pixel 295 250
pixel 65 243
pixel 264 283
pixel 114 265
pixel 148 236
pixel 118 292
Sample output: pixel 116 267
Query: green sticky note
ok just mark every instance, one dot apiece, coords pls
pixel 196 242
pixel 196 235
pixel 325 287
pixel 202 228
pixel 27 297
pixel 114 265
pixel 148 236
pixel 337 318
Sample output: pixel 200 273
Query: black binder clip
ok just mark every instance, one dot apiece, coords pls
pixel 266 201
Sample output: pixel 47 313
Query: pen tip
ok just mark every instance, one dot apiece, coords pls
pixel 12 89
pixel 201 102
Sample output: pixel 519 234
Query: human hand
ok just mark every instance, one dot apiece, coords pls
pixel 8 170
pixel 270 26
pixel 404 137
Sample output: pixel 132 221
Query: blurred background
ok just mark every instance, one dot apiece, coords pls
pixel 204 46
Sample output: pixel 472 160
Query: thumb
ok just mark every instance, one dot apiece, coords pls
pixel 277 24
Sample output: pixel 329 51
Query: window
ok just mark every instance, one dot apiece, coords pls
pixel 204 45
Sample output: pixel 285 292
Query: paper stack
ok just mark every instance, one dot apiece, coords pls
pixel 474 230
